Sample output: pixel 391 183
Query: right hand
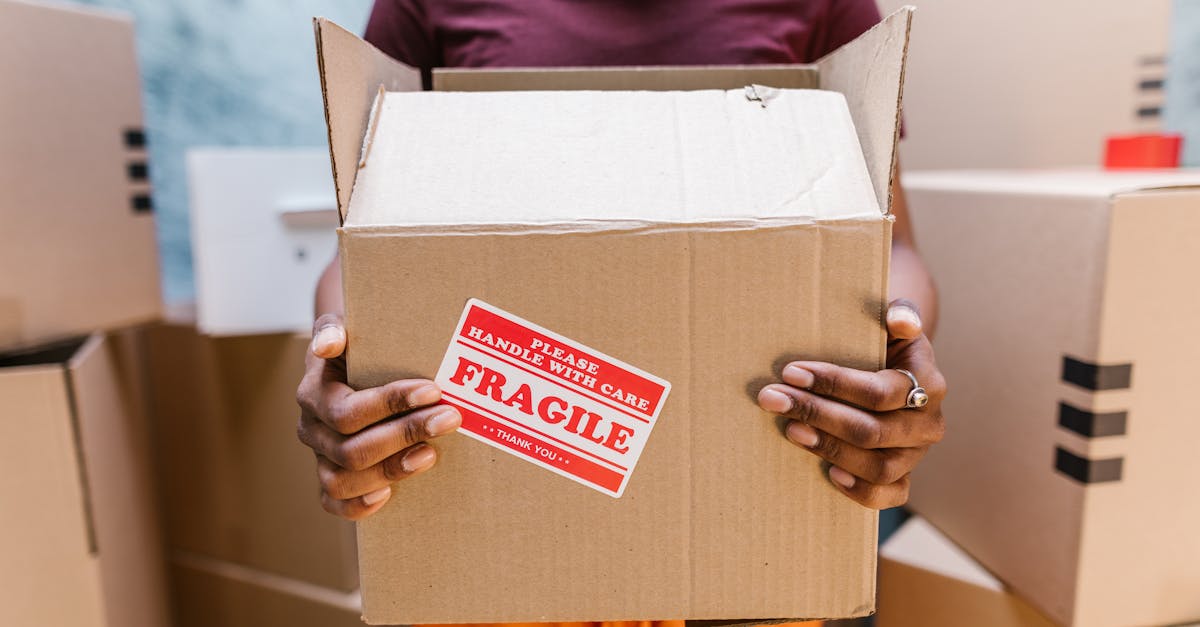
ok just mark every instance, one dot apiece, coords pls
pixel 364 440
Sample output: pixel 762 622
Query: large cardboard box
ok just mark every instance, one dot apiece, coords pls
pixel 1032 84
pixel 1067 334
pixel 213 593
pixel 925 580
pixel 236 484
pixel 78 243
pixel 80 540
pixel 263 223
pixel 699 235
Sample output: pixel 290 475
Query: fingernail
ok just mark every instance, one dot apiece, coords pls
pixel 841 477
pixel 326 338
pixel 798 376
pixel 424 395
pixel 904 314
pixel 444 421
pixel 418 459
pixel 377 496
pixel 802 434
pixel 774 401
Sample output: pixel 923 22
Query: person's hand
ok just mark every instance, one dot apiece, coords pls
pixel 858 421
pixel 364 440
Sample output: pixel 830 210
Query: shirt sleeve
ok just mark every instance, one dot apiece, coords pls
pixel 402 30
pixel 844 20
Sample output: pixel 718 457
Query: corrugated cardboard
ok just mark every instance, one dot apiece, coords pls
pixel 1032 84
pixel 212 593
pixel 1068 326
pixel 723 518
pixel 236 485
pixel 262 233
pixel 81 539
pixel 927 581
pixel 78 237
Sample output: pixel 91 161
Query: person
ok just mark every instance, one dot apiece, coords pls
pixel 862 423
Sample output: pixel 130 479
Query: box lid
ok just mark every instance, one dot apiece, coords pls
pixel 1087 182
pixel 431 158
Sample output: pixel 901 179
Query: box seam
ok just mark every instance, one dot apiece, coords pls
pixel 1097 345
pixel 89 518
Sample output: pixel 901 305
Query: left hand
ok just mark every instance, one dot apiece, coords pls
pixel 858 421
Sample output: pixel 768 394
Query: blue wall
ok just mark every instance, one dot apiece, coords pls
pixel 1182 109
pixel 224 73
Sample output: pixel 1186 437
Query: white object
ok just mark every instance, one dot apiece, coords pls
pixel 263 229
pixel 644 156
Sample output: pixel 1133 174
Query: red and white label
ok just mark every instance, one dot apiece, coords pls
pixel 549 400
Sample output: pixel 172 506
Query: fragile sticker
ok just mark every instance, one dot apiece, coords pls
pixel 548 399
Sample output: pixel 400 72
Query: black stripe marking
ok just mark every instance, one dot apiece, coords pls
pixel 135 138
pixel 138 171
pixel 1151 84
pixel 1096 377
pixel 1091 425
pixel 1086 470
pixel 1149 112
pixel 141 203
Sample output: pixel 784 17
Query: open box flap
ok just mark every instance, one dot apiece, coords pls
pixel 870 72
pixel 352 72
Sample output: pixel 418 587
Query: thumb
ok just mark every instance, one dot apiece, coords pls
pixel 329 336
pixel 903 321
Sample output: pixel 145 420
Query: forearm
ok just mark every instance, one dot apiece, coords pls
pixel 329 290
pixel 909 278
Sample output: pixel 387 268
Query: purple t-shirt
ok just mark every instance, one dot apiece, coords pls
pixel 536 33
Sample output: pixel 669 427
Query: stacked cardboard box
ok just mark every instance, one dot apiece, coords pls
pixel 1067 335
pixel 212 592
pixel 250 544
pixel 1033 84
pixel 81 538
pixel 78 241
pixel 925 580
pixel 239 491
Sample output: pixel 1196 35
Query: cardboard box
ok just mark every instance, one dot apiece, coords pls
pixel 925 580
pixel 1067 335
pixel 81 541
pixel 210 593
pixel 624 238
pixel 1031 84
pixel 263 225
pixel 236 484
pixel 78 237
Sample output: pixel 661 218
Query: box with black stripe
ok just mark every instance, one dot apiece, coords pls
pixel 78 243
pixel 1068 334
